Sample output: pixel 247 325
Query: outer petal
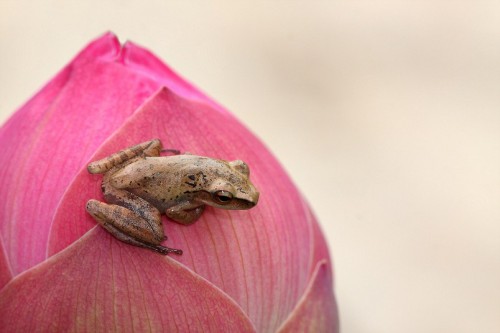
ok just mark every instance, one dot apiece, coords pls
pixel 48 140
pixel 317 310
pixel 100 285
pixel 263 257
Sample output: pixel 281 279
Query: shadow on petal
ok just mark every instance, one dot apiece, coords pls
pixel 100 285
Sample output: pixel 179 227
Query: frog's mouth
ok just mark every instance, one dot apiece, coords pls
pixel 244 203
pixel 236 204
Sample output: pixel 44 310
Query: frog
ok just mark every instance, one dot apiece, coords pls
pixel 140 184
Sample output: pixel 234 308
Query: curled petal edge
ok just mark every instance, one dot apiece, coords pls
pixel 316 311
pixel 5 270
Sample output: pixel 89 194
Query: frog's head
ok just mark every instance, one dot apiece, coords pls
pixel 232 189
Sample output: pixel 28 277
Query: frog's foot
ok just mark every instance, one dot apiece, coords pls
pixel 127 239
pixel 165 250
pixel 158 248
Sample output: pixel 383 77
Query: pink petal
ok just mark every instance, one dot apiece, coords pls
pixel 263 257
pixel 5 273
pixel 317 310
pixel 101 285
pixel 51 138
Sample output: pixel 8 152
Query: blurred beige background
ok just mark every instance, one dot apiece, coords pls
pixel 385 113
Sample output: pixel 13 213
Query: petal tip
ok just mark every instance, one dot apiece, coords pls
pixel 106 46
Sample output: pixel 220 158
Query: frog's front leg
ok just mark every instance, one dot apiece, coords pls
pixel 186 212
pixel 151 148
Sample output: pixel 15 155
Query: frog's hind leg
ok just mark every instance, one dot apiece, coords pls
pixel 151 148
pixel 129 227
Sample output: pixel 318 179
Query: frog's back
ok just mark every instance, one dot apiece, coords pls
pixel 165 169
pixel 183 163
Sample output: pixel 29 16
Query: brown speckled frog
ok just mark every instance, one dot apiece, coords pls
pixel 140 185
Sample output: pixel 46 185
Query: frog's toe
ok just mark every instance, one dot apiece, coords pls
pixel 166 250
pixel 94 208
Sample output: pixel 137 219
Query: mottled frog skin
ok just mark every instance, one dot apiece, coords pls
pixel 139 185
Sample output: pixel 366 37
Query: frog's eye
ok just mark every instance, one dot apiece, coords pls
pixel 222 197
